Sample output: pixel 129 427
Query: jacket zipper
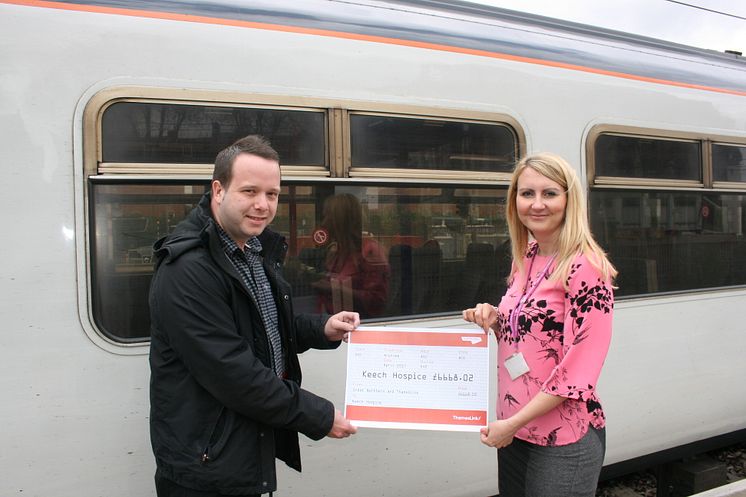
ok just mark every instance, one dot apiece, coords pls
pixel 206 453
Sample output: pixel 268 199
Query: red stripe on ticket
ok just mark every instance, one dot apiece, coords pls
pixel 412 415
pixel 460 339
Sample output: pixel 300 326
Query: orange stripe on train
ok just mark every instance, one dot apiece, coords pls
pixel 360 37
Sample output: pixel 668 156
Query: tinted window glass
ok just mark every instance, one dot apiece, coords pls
pixel 669 241
pixel 127 220
pixel 382 251
pixel 170 133
pixel 638 157
pixel 391 142
pixel 729 163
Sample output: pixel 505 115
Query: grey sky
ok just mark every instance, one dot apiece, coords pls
pixel 654 18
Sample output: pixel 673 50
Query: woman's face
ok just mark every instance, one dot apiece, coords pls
pixel 540 203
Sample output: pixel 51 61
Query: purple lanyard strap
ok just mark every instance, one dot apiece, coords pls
pixel 526 296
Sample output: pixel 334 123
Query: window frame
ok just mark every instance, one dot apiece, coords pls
pixel 705 141
pixel 447 174
pixel 728 185
pixel 704 187
pixel 337 156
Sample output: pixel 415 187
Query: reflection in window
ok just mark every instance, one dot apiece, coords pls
pixel 644 157
pixel 394 142
pixel 127 220
pixel 671 241
pixel 729 163
pixel 383 251
pixel 172 133
pixel 389 251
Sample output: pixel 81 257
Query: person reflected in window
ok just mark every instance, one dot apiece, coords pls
pixel 553 329
pixel 356 269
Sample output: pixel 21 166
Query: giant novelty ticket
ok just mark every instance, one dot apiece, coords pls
pixel 418 378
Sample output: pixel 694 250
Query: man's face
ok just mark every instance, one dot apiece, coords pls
pixel 249 203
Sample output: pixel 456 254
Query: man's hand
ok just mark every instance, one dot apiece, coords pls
pixel 339 326
pixel 341 427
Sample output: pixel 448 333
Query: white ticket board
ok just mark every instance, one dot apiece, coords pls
pixel 418 379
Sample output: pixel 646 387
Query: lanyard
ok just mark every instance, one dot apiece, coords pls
pixel 526 296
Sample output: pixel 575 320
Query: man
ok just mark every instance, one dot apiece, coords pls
pixel 225 378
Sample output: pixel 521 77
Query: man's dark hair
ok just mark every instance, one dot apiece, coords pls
pixel 252 144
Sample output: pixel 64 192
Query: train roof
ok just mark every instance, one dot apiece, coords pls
pixel 461 27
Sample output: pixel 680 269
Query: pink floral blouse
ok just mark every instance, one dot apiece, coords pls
pixel 564 337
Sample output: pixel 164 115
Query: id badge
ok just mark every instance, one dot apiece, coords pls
pixel 516 365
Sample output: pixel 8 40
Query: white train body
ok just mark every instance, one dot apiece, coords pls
pixel 75 414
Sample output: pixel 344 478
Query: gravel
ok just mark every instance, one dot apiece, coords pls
pixel 643 484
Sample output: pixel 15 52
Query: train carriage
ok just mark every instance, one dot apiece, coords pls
pixel 113 113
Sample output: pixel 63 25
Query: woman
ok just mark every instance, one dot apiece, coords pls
pixel 553 328
pixel 357 272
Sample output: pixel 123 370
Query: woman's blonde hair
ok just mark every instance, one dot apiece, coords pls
pixel 575 234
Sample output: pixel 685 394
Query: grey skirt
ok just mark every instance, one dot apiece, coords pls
pixel 530 470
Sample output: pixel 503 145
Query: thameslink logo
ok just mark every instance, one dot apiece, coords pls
pixel 472 340
pixel 466 418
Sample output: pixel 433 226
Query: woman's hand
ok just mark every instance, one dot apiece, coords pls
pixel 498 434
pixel 483 315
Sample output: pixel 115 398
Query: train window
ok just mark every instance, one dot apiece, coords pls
pixel 128 219
pixel 430 244
pixel 669 235
pixel 394 251
pixel 383 251
pixel 645 157
pixel 137 132
pixel 729 162
pixel 379 141
pixel 671 241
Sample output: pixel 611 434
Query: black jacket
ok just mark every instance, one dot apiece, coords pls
pixel 219 415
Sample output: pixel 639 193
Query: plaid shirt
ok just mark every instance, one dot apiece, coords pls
pixel 248 263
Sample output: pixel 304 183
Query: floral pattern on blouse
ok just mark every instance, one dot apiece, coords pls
pixel 564 337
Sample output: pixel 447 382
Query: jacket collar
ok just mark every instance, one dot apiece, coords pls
pixel 199 227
